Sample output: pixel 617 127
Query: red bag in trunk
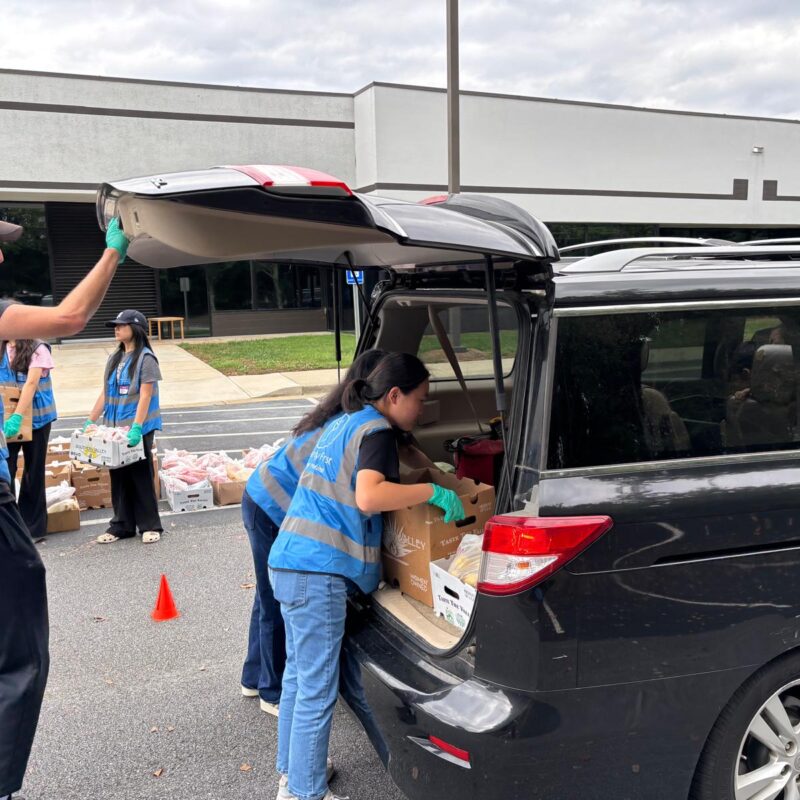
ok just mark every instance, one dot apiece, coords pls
pixel 479 459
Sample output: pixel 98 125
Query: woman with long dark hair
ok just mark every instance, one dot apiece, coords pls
pixel 130 398
pixel 329 546
pixel 26 365
pixel 266 499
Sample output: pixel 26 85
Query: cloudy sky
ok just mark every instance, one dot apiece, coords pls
pixel 728 56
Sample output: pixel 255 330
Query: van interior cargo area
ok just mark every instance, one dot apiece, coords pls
pixel 449 332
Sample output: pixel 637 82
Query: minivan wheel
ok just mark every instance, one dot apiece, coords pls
pixel 753 751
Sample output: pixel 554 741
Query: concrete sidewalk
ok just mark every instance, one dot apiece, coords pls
pixel 78 379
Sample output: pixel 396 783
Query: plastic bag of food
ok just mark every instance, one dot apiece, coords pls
pixel 467 561
pixel 57 494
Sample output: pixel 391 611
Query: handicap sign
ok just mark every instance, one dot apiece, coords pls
pixel 355 276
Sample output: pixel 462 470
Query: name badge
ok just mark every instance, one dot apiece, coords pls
pixel 123 389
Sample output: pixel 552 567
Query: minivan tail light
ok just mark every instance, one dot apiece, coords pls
pixel 520 552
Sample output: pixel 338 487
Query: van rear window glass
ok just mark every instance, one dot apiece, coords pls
pixel 631 388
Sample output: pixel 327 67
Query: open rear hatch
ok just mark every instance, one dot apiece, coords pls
pixel 297 215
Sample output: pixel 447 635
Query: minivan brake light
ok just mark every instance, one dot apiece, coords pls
pixel 520 552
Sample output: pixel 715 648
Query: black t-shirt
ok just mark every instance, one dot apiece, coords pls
pixel 379 452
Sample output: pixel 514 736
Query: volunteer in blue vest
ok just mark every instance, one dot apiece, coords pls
pixel 24 630
pixel 329 546
pixel 26 365
pixel 264 504
pixel 130 399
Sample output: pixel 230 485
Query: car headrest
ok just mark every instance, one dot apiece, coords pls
pixel 774 375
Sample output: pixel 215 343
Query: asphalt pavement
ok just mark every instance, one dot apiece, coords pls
pixel 139 710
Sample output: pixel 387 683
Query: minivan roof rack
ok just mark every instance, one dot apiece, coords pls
pixel 663 259
pixel 790 240
pixel 646 240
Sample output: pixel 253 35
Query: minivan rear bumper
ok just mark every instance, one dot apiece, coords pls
pixel 623 741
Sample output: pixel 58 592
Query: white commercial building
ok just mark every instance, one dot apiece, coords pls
pixel 588 170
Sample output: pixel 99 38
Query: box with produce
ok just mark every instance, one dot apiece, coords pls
pixel 104 447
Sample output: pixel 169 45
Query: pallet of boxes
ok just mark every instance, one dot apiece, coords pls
pixel 432 561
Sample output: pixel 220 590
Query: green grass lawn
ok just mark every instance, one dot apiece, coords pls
pixel 257 356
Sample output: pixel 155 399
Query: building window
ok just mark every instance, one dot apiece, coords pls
pixel 25 274
pixel 231 287
pixel 286 286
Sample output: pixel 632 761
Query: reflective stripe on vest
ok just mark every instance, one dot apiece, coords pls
pixel 120 409
pixel 324 531
pixel 273 484
pixel 43 407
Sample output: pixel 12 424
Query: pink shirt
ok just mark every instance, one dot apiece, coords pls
pixel 42 358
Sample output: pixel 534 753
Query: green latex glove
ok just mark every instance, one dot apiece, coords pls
pixel 134 435
pixel 449 502
pixel 87 424
pixel 12 426
pixel 116 239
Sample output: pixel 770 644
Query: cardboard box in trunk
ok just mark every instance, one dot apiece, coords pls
pixel 228 493
pixel 92 486
pixel 414 537
pixel 10 396
pixel 60 521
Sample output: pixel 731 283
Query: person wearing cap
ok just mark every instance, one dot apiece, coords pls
pixel 130 399
pixel 25 365
pixel 24 629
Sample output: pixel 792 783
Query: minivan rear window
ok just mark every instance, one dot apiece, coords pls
pixel 631 388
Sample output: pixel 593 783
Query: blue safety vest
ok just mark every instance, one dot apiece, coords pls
pixel 323 530
pixel 273 484
pixel 5 475
pixel 43 409
pixel 122 396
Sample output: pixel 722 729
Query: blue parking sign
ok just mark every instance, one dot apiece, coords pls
pixel 355 276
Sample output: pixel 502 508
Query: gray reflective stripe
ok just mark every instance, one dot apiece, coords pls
pixel 40 411
pixel 339 492
pixel 319 532
pixel 350 458
pixel 299 455
pixel 275 490
pixel 3 442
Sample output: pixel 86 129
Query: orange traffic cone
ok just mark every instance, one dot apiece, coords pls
pixel 165 605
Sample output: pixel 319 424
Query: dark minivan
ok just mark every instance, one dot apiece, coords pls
pixel 636 628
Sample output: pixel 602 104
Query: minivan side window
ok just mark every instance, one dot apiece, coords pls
pixel 632 388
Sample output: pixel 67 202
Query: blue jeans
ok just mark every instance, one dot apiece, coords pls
pixel 314 606
pixel 266 649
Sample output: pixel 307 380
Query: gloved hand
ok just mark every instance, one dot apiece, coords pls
pixel 12 426
pixel 116 239
pixel 449 502
pixel 134 435
pixel 87 424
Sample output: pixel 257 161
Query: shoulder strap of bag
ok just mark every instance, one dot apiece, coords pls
pixel 441 335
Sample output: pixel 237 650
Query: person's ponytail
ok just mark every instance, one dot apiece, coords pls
pixel 331 404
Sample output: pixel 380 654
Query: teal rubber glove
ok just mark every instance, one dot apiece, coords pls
pixel 116 239
pixel 134 435
pixel 12 426
pixel 449 502
pixel 87 424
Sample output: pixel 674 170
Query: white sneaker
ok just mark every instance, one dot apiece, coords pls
pixel 270 708
pixel 285 794
pixel 248 692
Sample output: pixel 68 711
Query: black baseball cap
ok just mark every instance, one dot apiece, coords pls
pixel 128 317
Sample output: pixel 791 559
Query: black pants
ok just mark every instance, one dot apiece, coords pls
pixel 24 633
pixel 32 497
pixel 134 496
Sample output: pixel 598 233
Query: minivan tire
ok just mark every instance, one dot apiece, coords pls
pixel 731 735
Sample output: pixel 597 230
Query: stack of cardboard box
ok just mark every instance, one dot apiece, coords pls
pixel 92 485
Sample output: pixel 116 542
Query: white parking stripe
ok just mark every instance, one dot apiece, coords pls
pixel 224 410
pixel 162 514
pixel 215 435
pixel 199 423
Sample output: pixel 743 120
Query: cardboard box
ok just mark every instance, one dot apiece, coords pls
pixel 94 450
pixel 55 474
pixel 192 499
pixel 10 396
pixel 452 598
pixel 60 521
pixel 228 493
pixel 414 537
pixel 55 448
pixel 92 486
